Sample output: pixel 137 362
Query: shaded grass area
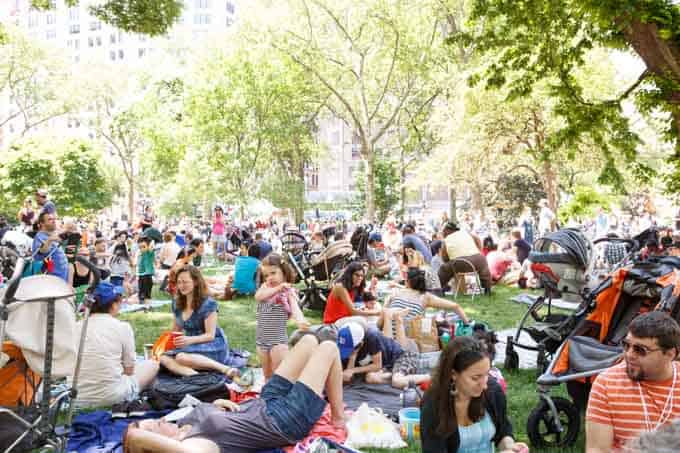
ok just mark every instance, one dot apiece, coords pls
pixel 237 318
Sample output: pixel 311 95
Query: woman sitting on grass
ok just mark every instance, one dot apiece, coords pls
pixel 289 406
pixel 201 344
pixel 464 410
pixel 349 289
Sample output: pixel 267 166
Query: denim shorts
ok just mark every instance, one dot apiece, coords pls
pixel 295 408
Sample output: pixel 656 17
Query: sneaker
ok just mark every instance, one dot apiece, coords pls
pixel 138 408
pixel 119 410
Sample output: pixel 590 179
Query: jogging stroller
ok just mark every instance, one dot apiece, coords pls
pixel 37 317
pixel 594 344
pixel 563 263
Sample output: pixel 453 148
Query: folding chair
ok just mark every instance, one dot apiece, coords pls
pixel 467 279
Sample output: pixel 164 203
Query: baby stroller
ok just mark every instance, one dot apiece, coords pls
pixel 563 263
pixel 317 270
pixel 594 344
pixel 37 317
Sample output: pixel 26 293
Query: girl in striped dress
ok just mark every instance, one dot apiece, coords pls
pixel 276 303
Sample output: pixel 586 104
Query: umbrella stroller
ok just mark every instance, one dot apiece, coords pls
pixel 563 262
pixel 594 344
pixel 38 318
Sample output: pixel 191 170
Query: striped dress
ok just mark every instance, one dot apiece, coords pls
pixel 615 401
pixel 271 324
pixel 408 298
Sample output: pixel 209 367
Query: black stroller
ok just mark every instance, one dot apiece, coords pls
pixel 37 316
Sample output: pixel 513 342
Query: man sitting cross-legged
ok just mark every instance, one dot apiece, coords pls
pixel 289 406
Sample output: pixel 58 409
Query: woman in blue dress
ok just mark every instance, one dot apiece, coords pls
pixel 200 343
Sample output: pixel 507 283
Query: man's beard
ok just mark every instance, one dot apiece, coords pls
pixel 635 375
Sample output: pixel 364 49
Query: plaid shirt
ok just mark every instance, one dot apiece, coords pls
pixel 614 252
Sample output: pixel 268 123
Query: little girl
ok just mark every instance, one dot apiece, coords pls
pixel 276 302
pixel 120 265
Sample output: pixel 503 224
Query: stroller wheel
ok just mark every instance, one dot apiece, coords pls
pixel 511 360
pixel 542 429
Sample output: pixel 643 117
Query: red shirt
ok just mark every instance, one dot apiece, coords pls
pixel 336 308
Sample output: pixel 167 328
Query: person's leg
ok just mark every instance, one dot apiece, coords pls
pixel 277 354
pixel 141 441
pixel 405 371
pixel 378 377
pixel 323 371
pixel 145 373
pixel 175 368
pixel 265 361
pixel 201 362
pixel 297 358
pixel 401 381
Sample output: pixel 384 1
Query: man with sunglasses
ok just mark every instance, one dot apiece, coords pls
pixel 640 394
pixel 44 204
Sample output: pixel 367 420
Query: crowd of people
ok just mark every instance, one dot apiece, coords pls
pixel 464 408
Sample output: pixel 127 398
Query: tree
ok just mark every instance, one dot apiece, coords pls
pixel 71 171
pixel 387 193
pixel 548 41
pixel 37 84
pixel 148 17
pixel 372 57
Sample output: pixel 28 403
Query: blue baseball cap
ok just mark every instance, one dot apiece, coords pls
pixel 105 293
pixel 375 237
pixel 349 337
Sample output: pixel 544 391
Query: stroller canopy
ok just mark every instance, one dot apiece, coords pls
pixel 577 249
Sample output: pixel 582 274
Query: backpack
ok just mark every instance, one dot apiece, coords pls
pixel 168 391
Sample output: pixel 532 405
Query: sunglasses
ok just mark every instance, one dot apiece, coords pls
pixel 638 349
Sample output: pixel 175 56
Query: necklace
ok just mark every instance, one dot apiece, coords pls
pixel 667 407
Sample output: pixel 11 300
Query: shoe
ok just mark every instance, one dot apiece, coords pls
pixel 119 410
pixel 138 408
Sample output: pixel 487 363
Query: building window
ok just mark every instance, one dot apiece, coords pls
pixel 112 55
pixel 51 34
pixel 141 52
pixel 121 54
pixel 74 28
pixel 201 4
pixel 51 18
pixel 99 41
pixel 230 21
pixel 90 41
pixel 201 19
pixel 32 20
pixel 230 8
pixel 356 146
pixel 95 25
pixel 76 59
pixel 73 13
pixel 76 44
pixel 112 38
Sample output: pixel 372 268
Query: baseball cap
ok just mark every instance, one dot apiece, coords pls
pixel 375 237
pixel 349 337
pixel 105 293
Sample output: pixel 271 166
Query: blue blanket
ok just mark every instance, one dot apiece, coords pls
pixel 97 432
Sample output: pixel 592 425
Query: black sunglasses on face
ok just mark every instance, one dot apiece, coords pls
pixel 638 349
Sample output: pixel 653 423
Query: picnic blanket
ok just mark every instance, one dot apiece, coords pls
pixel 97 432
pixel 382 396
pixel 131 308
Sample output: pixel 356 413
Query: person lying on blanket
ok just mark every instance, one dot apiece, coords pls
pixel 289 406
pixel 377 356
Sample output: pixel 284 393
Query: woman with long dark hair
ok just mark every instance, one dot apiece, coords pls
pixel 464 410
pixel 350 288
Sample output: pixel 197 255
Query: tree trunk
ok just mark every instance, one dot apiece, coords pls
pixel 299 210
pixel 452 203
pixel 370 184
pixel 131 200
pixel 402 181
pixel 550 184
pixel 476 194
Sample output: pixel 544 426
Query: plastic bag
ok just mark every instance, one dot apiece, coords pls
pixel 372 429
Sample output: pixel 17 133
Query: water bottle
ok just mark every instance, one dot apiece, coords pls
pixel 445 338
pixel 410 397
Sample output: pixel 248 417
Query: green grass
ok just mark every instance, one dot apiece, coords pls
pixel 237 318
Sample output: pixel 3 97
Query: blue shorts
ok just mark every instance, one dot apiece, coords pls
pixel 295 408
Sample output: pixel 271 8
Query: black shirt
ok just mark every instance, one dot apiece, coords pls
pixel 523 249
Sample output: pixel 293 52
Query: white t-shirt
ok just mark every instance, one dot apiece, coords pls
pixel 109 345
pixel 169 252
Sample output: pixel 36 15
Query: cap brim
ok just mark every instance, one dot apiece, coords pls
pixel 345 351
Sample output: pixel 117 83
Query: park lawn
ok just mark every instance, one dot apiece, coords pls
pixel 237 318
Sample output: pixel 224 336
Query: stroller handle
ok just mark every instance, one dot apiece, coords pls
pixel 13 283
pixel 92 268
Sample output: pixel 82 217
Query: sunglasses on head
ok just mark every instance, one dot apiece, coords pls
pixel 638 349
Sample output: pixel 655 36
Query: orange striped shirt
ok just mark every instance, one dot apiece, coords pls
pixel 615 401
